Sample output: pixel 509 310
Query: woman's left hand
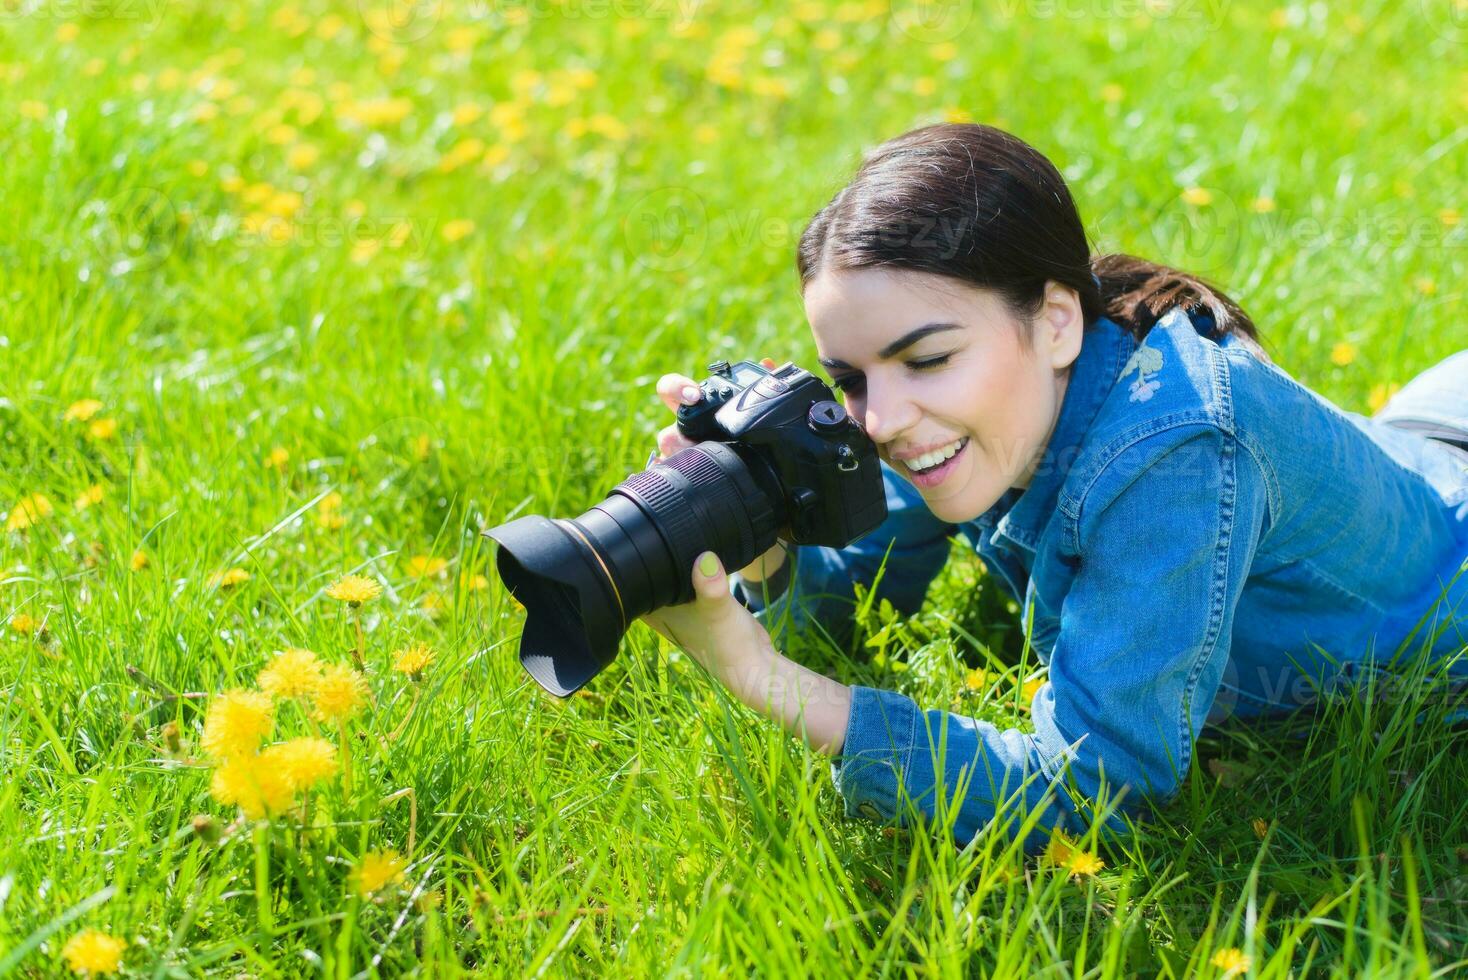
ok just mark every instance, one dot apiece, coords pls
pixel 721 634
pixel 714 629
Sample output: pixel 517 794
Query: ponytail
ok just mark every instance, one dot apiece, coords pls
pixel 1136 292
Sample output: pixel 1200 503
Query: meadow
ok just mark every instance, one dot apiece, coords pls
pixel 296 299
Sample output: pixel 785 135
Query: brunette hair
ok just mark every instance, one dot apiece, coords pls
pixel 978 205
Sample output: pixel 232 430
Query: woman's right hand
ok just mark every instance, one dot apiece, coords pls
pixel 676 390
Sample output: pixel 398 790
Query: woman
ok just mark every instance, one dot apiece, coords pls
pixel 1191 533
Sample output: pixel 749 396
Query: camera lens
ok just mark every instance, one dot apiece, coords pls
pixel 584 580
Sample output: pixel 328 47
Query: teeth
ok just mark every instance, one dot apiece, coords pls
pixel 929 460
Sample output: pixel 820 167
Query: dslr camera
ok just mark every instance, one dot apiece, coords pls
pixel 777 457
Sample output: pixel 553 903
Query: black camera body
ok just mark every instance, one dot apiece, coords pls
pixel 776 457
pixel 826 468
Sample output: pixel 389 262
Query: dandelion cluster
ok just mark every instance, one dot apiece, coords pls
pixel 266 782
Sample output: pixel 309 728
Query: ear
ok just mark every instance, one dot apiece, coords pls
pixel 1060 325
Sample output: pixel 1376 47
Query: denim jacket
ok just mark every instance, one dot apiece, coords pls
pixel 1203 537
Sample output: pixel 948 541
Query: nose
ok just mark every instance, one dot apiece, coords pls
pixel 885 413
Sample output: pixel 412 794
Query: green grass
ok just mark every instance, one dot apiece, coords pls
pixel 442 386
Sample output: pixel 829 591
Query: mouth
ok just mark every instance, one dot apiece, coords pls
pixel 940 465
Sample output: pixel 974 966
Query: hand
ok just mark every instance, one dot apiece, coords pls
pixel 714 629
pixel 725 637
pixel 676 390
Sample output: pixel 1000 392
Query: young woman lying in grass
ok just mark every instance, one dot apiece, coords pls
pixel 1190 532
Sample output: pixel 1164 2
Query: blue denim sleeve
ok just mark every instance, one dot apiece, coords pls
pixel 815 583
pixel 1144 638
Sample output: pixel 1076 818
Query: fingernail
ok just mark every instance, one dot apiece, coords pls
pixel 708 564
pixel 691 394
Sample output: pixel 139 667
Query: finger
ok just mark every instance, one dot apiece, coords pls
pixel 671 441
pixel 709 583
pixel 677 389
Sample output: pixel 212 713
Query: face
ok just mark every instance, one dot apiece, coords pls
pixel 928 364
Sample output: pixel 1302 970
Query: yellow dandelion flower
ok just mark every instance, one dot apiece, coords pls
pixel 102 428
pixel 1380 395
pixel 462 39
pixel 376 871
pixel 1451 217
pixel 92 952
pixel 1343 353
pixel 338 693
pixel 277 458
pixel 1029 689
pixel 328 517
pixel 1083 864
pixel 976 680
pixel 473 583
pixel 422 445
pixel 284 204
pixel 413 660
pixel 609 126
pixel 465 113
pixel 354 589
pixel 424 566
pixel 28 511
pixel 360 254
pixel 1198 196
pixel 290 673
pixel 1261 827
pixel 91 495
pixel 1231 960
pixel 260 790
pixel 81 411
pixel 26 625
pixel 581 78
pixel 1262 204
pixel 457 229
pixel 228 578
pixel 302 156
pixel 460 154
pixel 138 561
pixel 1059 849
pixel 954 114
pixel 236 722
pixel 303 762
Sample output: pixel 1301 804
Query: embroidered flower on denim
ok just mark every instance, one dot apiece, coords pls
pixel 1145 361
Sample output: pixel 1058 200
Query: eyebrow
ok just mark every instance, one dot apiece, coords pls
pixel 899 345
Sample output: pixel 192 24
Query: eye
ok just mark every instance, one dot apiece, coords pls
pixel 855 382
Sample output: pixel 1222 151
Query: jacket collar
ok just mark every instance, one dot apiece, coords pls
pixel 1021 515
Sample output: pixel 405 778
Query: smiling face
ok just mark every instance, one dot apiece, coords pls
pixel 963 378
